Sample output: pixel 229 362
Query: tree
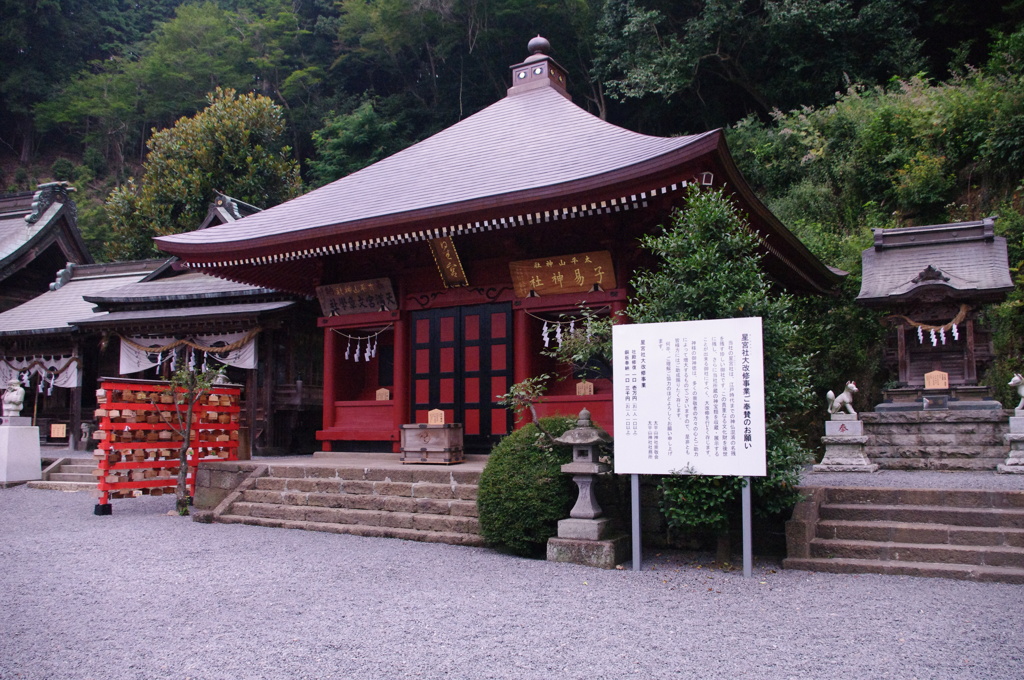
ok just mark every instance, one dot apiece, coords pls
pixel 187 387
pixel 349 142
pixel 233 146
pixel 709 268
pixel 752 56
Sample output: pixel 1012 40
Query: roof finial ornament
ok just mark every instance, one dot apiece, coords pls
pixel 539 45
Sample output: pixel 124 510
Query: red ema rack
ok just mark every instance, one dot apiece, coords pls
pixel 138 447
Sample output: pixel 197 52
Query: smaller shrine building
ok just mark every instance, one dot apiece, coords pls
pixel 935 279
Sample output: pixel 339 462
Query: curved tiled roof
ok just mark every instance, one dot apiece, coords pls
pixel 520 144
pixel 965 260
pixel 534 157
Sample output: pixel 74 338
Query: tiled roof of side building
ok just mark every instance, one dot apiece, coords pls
pixel 184 286
pixel 53 311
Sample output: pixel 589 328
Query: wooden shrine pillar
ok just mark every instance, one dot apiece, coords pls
pixel 330 375
pixel 401 387
pixel 75 442
pixel 970 365
pixel 522 357
pixel 266 393
pixel 901 354
pixel 618 307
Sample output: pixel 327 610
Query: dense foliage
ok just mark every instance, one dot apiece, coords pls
pixel 709 268
pixel 233 146
pixel 102 74
pixel 912 152
pixel 523 492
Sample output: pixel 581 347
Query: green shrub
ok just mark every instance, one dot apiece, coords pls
pixel 62 170
pixel 94 160
pixel 523 492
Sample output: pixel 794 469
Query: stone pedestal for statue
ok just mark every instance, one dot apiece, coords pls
pixel 1014 464
pixel 20 460
pixel 844 442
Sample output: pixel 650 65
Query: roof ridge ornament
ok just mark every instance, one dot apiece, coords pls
pixel 46 195
pixel 63 276
pixel 538 70
pixel 538 45
pixel 930 273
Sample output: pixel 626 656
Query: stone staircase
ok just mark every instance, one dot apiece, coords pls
pixel 67 474
pixel 970 535
pixel 936 440
pixel 436 505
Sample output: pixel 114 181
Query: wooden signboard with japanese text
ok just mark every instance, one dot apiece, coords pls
pixel 356 297
pixel 936 380
pixel 689 398
pixel 577 273
pixel 448 263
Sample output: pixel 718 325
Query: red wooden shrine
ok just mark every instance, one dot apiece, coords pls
pixel 138 450
pixel 445 270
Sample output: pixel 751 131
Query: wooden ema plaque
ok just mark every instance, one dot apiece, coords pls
pixel 584 388
pixel 138 447
pixel 936 380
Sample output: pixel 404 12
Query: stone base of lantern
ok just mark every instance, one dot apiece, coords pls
pixel 603 554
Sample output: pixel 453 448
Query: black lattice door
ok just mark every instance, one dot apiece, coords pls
pixel 461 359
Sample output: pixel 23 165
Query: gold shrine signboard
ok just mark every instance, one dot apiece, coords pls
pixel 448 263
pixel 371 295
pixel 578 273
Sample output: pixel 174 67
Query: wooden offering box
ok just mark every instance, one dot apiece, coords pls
pixel 440 443
pixel 138 446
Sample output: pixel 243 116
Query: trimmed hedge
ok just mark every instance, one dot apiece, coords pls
pixel 523 492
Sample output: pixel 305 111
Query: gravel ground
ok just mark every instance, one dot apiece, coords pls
pixel 141 594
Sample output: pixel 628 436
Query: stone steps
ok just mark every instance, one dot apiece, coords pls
pixel 926 514
pixel 992 556
pixel 48 485
pixel 924 569
pixel 972 534
pixel 921 532
pixel 73 475
pixel 432 505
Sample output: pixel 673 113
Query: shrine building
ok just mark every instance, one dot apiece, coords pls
pixel 934 280
pixel 445 270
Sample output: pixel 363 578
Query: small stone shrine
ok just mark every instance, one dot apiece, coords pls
pixel 934 280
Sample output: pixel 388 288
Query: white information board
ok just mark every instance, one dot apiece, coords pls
pixel 689 395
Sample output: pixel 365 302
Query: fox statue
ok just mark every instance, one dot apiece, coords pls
pixel 1018 382
pixel 844 400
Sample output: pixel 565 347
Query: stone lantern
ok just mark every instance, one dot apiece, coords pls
pixel 584 440
pixel 586 537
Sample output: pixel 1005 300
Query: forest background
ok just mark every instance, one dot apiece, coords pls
pixel 844 115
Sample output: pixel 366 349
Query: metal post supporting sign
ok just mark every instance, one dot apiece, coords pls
pixel 634 488
pixel 689 399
